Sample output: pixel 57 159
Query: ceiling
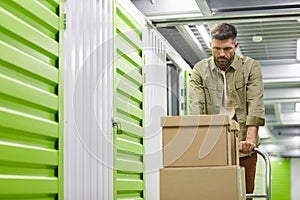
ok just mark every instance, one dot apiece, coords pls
pixel 267 31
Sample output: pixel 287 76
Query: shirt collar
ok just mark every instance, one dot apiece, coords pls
pixel 236 62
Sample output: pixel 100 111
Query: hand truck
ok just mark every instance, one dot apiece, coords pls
pixel 265 156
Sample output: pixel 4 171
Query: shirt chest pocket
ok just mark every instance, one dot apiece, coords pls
pixel 240 84
pixel 215 94
pixel 240 89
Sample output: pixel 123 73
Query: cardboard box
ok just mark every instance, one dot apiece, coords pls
pixel 207 183
pixel 202 140
pixel 235 131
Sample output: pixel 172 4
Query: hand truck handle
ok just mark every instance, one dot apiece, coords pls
pixel 268 176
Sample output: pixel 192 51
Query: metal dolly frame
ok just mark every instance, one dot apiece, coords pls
pixel 266 158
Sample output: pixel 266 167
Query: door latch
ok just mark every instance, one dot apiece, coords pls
pixel 117 125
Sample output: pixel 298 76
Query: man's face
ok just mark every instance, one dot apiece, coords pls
pixel 223 52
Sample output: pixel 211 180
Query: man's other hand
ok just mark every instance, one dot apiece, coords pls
pixel 246 147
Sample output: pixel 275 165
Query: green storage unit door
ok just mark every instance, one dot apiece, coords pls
pixel 128 108
pixel 186 89
pixel 31 101
pixel 281 179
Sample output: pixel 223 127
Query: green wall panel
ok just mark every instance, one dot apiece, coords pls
pixel 281 180
pixel 31 99
pixel 128 108
pixel 186 94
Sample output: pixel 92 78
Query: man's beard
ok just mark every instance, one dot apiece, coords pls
pixel 222 62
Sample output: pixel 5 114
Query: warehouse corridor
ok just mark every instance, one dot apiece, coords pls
pixel 94 100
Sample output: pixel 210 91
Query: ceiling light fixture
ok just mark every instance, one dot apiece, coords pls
pixel 204 34
pixel 257 38
pixel 298 19
pixel 298 49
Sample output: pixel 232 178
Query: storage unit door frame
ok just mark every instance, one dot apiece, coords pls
pixel 128 107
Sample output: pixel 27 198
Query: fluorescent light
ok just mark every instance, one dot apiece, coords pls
pixel 297 107
pixel 204 34
pixel 298 49
pixel 257 38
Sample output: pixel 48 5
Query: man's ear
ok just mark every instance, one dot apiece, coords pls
pixel 236 44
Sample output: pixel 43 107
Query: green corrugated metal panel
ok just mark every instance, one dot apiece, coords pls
pixel 126 184
pixel 131 37
pixel 129 87
pixel 128 108
pixel 131 57
pixel 132 110
pixel 31 65
pixel 23 185
pixel 30 154
pixel 126 144
pixel 129 166
pixel 136 95
pixel 23 31
pixel 31 100
pixel 26 92
pixel 281 180
pixel 20 121
pixel 131 128
pixel 42 14
pixel 124 68
pixel 128 21
pixel 186 88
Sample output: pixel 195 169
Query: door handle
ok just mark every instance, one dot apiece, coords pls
pixel 116 124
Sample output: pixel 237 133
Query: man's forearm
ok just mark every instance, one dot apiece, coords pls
pixel 250 142
pixel 252 134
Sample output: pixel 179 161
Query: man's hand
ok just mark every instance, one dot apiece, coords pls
pixel 248 145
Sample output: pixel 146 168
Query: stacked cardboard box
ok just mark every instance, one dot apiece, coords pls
pixel 200 159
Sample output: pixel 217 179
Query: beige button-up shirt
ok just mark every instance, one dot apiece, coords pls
pixel 244 85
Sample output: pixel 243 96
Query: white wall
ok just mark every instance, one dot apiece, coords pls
pixel 155 71
pixel 88 101
pixel 295 178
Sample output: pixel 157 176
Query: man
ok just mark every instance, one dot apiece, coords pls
pixel 231 84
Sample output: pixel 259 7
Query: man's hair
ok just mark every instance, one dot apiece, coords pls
pixel 223 31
